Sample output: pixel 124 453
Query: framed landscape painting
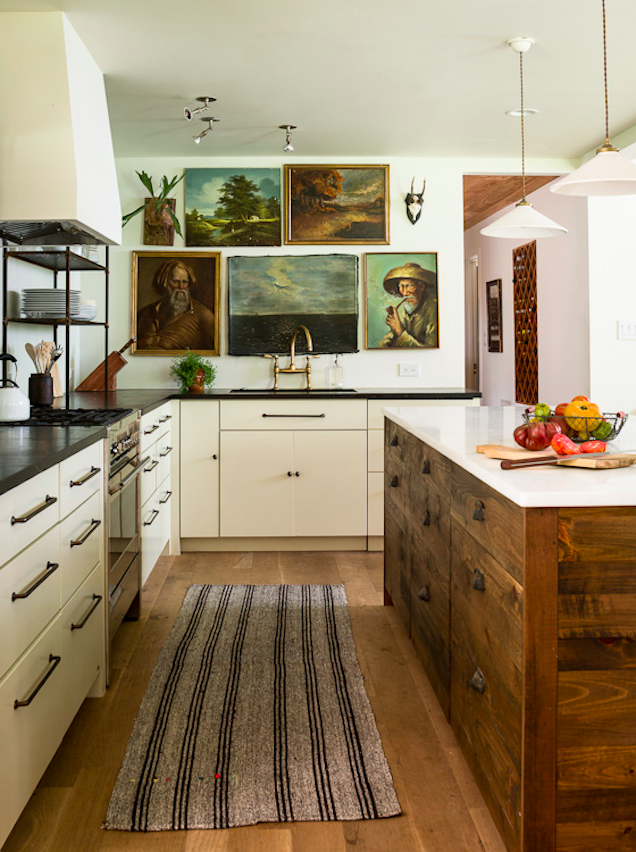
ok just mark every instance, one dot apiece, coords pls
pixel 401 300
pixel 337 204
pixel 232 207
pixel 269 297
pixel 175 302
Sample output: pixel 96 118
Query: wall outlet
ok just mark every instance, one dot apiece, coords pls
pixel 627 329
pixel 506 402
pixel 409 370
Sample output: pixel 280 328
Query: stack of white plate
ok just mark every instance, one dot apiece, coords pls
pixel 87 310
pixel 38 303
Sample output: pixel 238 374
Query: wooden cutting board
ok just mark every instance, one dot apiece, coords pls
pixel 498 451
pixel 611 460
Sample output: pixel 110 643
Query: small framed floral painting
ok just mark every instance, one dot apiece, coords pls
pixel 337 204
pixel 401 300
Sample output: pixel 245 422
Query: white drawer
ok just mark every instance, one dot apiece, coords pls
pixel 81 544
pixel 148 475
pixel 375 504
pixel 155 425
pixel 293 414
pixel 376 418
pixel 29 596
pixel 29 510
pixel 375 444
pixel 164 457
pixel 31 734
pixel 155 531
pixel 81 476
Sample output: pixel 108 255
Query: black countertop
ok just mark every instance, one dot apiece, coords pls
pixel 27 450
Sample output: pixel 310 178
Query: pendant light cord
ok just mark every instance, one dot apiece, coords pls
pixel 523 135
pixel 607 139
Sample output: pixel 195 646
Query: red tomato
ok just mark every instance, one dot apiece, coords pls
pixel 560 409
pixel 564 446
pixel 593 447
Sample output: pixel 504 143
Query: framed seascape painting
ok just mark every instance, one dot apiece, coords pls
pixel 269 297
pixel 232 207
pixel 401 301
pixel 175 302
pixel 337 204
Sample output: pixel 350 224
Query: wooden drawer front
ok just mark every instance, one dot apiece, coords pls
pixel 375 504
pixel 155 425
pixel 399 446
pixel 83 623
pixel 293 414
pixel 397 569
pixel 428 469
pixel 81 476
pixel 165 452
pixel 376 407
pixel 430 619
pixel 597 580
pixel 30 735
pixel 34 575
pixel 82 540
pixel 148 476
pixel 375 444
pixel 39 498
pixel 396 490
pixel 496 523
pixel 430 524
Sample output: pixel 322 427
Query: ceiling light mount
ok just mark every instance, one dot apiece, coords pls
pixel 287 147
pixel 206 100
pixel 207 130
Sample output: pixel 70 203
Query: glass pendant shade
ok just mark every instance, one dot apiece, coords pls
pixel 525 223
pixel 608 173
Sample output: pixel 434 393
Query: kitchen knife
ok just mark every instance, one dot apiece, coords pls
pixel 510 464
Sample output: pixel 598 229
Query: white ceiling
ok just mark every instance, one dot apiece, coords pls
pixel 360 78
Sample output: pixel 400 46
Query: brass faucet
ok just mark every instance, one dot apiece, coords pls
pixel 292 363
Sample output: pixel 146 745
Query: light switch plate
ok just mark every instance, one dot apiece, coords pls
pixel 409 370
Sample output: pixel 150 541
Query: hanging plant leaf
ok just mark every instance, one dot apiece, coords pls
pixel 175 221
pixel 147 182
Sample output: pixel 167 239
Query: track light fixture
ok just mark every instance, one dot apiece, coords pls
pixel 190 113
pixel 287 147
pixel 207 130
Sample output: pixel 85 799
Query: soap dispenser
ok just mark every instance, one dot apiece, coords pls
pixel 336 379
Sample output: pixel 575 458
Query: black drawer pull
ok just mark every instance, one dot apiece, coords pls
pixel 166 497
pixel 289 473
pixel 165 452
pixel 56 661
pixel 153 464
pixel 424 594
pixel 89 531
pixel 394 441
pixel 479 512
pixel 51 568
pixel 426 519
pixel 155 515
pixel 48 501
pixel 394 482
pixel 151 430
pixel 91 473
pixel 215 457
pixel 426 467
pixel 96 601
pixel 294 415
pixel 478 682
pixel 479 581
pixel 167 417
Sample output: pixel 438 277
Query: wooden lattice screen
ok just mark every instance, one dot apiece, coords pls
pixel 524 264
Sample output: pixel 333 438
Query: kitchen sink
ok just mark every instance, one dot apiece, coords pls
pixel 303 391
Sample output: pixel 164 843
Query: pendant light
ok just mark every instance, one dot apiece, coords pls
pixel 608 172
pixel 524 222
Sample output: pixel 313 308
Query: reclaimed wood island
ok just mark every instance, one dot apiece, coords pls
pixel 518 589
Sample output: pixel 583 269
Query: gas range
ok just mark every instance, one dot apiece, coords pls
pixel 43 416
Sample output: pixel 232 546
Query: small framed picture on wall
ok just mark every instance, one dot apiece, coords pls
pixel 493 306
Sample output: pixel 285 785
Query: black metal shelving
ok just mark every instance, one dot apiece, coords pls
pixel 57 261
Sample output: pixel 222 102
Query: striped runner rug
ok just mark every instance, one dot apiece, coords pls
pixel 255 712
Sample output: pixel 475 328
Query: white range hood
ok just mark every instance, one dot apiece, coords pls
pixel 58 183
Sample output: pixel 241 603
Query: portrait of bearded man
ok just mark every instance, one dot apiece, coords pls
pixel 413 321
pixel 177 321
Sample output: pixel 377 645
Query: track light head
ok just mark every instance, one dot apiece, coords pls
pixel 197 139
pixel 205 100
pixel 288 147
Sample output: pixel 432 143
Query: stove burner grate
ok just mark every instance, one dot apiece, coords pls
pixel 41 416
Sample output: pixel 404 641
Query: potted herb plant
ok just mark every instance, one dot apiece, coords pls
pixel 193 373
pixel 160 221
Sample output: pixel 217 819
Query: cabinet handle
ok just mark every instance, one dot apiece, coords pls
pixel 96 601
pixel 478 682
pixel 165 452
pixel 129 478
pixel 215 457
pixel 479 512
pixel 426 519
pixel 167 417
pixel 91 473
pixel 289 473
pixel 152 466
pixel 426 467
pixel 424 594
pixel 48 501
pixel 394 441
pixel 89 531
pixel 151 430
pixel 155 514
pixel 394 482
pixel 297 473
pixel 479 581
pixel 294 415
pixel 56 661
pixel 166 497
pixel 51 568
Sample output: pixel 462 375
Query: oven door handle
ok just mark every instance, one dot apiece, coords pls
pixel 129 478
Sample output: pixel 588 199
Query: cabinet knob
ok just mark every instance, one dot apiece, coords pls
pixel 424 594
pixel 297 473
pixel 289 473
pixel 478 682
pixel 426 467
pixel 394 441
pixel 215 457
pixel 394 482
pixel 426 519
pixel 479 512
pixel 479 581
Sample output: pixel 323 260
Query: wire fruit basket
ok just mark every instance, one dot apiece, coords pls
pixel 599 427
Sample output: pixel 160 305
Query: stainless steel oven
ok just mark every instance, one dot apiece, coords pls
pixel 124 541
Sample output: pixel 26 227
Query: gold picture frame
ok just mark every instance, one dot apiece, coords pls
pixel 337 205
pixel 164 323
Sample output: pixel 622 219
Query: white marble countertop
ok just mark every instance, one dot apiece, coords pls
pixel 455 432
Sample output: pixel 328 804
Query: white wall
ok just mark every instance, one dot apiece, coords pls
pixel 439 230
pixel 562 297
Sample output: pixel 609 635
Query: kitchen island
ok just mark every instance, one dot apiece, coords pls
pixel 518 589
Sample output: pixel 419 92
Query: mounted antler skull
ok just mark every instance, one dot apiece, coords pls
pixel 414 202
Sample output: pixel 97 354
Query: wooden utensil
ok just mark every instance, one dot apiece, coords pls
pixel 30 350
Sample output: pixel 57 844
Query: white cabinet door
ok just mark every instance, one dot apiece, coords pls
pixel 199 469
pixel 257 484
pixel 330 490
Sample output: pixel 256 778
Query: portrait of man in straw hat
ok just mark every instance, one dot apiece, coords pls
pixel 410 318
